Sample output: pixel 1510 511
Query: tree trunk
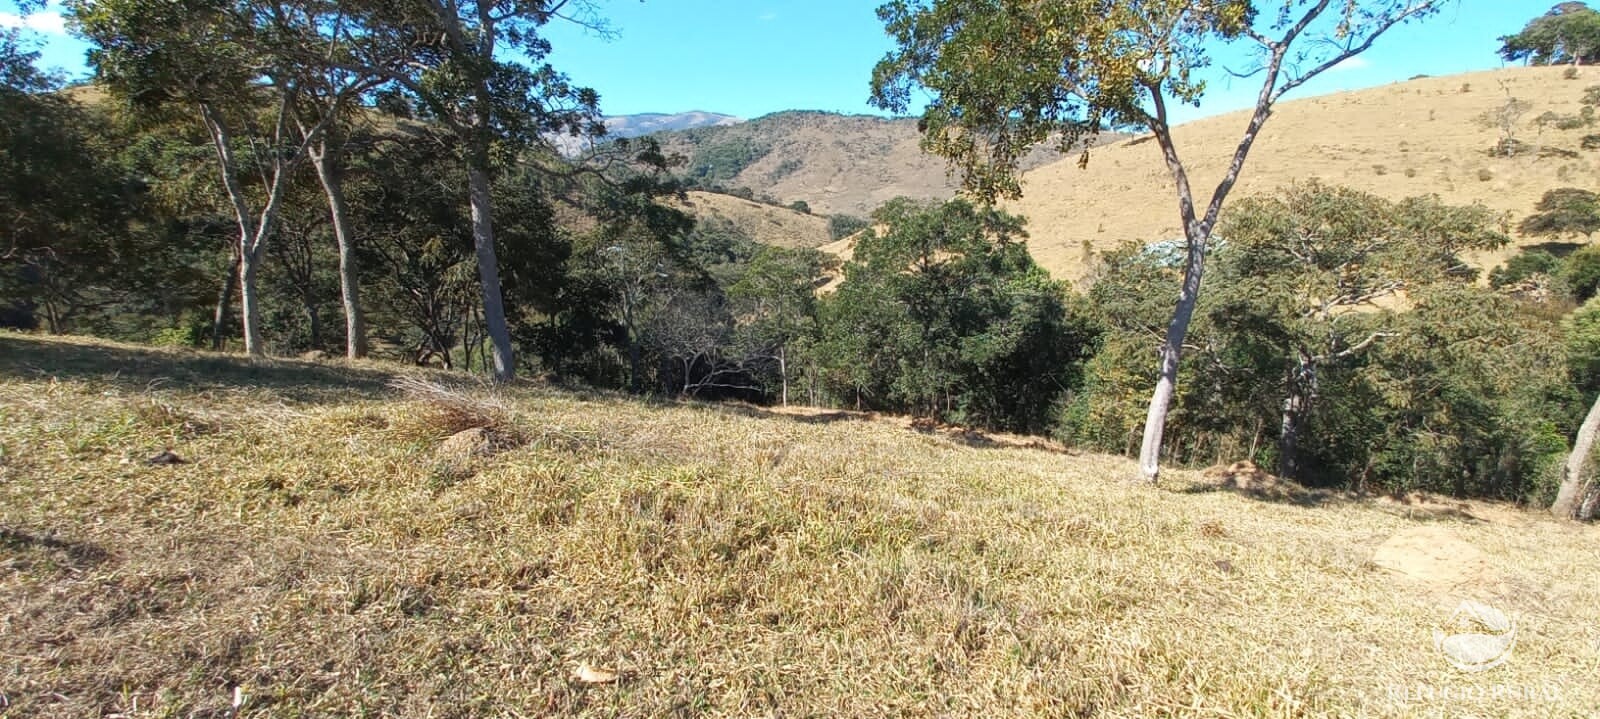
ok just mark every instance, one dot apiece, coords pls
pixel 494 311
pixel 329 173
pixel 249 308
pixel 783 372
pixel 1296 405
pixel 253 231
pixel 1155 422
pixel 219 321
pixel 1569 497
pixel 314 320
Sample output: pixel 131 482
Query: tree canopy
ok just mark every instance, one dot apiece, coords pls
pixel 1010 74
pixel 1569 34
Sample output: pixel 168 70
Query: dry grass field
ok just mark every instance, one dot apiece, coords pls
pixel 1425 136
pixel 779 226
pixel 317 554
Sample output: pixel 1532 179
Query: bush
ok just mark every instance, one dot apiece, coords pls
pixel 1522 266
pixel 176 337
pixel 1581 273
pixel 1508 147
pixel 842 226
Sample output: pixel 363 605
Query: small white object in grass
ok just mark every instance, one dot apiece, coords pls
pixel 238 697
pixel 591 675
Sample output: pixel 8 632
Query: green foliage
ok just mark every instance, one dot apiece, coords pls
pixel 944 314
pixel 1007 75
pixel 176 337
pixel 842 226
pixel 1568 34
pixel 1297 339
pixel 800 206
pixel 1564 211
pixel 1580 272
pixel 1581 332
pixel 1523 265
pixel 84 245
pixel 1475 398
pixel 719 163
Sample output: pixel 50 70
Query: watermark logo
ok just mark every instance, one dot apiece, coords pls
pixel 1477 637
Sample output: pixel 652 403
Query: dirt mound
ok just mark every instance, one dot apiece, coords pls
pixel 1246 478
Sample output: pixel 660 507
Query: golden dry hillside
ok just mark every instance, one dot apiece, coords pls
pixel 837 164
pixel 779 226
pixel 1424 136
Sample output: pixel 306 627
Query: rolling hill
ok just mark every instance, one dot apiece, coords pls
pixel 1424 136
pixel 837 164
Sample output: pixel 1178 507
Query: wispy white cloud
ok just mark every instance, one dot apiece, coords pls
pixel 768 16
pixel 46 22
pixel 1354 63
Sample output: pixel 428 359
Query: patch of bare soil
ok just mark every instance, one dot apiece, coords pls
pixel 1432 558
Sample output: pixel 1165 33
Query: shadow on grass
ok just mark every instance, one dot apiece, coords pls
pixel 1559 249
pixel 1281 493
pixel 759 412
pixel 964 436
pixel 24 357
pixel 79 553
pixel 1264 487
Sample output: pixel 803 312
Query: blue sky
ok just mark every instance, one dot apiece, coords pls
pixel 753 57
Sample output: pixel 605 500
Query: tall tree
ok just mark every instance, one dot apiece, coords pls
pixel 66 208
pixel 1306 271
pixel 308 36
pixel 452 57
pixel 1564 211
pixel 1007 75
pixel 1575 496
pixel 1568 34
pixel 204 57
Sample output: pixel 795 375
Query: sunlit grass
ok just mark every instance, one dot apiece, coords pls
pixel 722 561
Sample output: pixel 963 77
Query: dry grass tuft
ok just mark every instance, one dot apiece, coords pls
pixel 443 411
pixel 708 561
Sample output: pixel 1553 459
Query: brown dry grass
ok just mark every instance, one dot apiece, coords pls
pixel 847 164
pixel 723 561
pixel 1424 136
pixel 779 226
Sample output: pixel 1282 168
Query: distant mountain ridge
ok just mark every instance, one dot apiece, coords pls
pixel 644 123
pixel 649 122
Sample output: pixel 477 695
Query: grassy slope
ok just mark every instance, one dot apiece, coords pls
pixel 1425 136
pixel 847 164
pixel 727 561
pixel 779 226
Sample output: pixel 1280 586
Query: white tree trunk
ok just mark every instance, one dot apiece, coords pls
pixel 494 311
pixel 783 371
pixel 249 309
pixel 1570 496
pixel 349 284
pixel 1155 422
